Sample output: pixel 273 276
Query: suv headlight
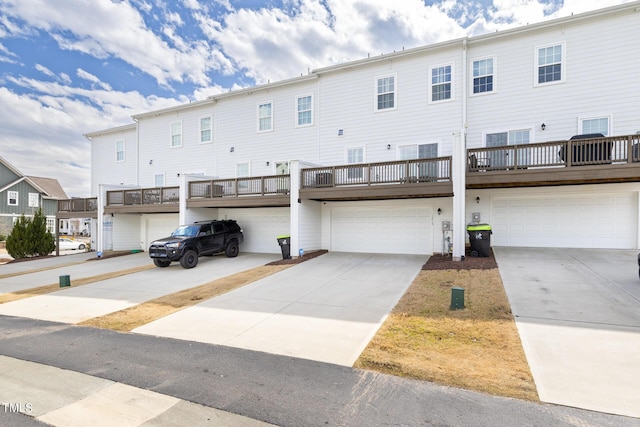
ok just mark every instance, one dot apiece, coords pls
pixel 175 245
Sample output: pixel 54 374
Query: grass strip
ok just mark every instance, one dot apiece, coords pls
pixel 130 318
pixel 477 348
pixel 45 289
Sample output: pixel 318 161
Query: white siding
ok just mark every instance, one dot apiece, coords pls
pixel 261 227
pixel 104 168
pixel 126 232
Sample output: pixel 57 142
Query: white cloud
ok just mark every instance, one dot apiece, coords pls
pixel 91 78
pixel 44 70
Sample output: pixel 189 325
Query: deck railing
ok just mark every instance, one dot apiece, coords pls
pixel 78 205
pixel 238 187
pixel 581 152
pixel 396 172
pixel 143 196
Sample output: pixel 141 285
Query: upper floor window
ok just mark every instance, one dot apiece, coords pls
pixel 120 151
pixel 12 198
pixel 265 117
pixel 34 200
pixel 441 83
pixel 504 158
pixel 549 64
pixel 595 125
pixel 159 180
pixel 304 108
pixel 206 127
pixel 483 76
pixel 355 155
pixel 386 93
pixel 176 134
pixel 282 168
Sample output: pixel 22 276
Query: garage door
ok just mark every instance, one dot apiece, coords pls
pixel 157 226
pixel 382 229
pixel 261 227
pixel 566 221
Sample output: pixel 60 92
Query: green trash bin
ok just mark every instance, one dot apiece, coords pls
pixel 479 239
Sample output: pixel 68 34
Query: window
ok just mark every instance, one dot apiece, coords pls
pixel 416 152
pixel 51 223
pixel 355 155
pixel 206 127
pixel 441 83
pixel 304 107
pixel 120 151
pixel 483 76
pixel 500 158
pixel 12 198
pixel 549 64
pixel 176 134
pixel 159 180
pixel 242 171
pixel 385 93
pixel 282 168
pixel 265 117
pixel 34 200
pixel 595 125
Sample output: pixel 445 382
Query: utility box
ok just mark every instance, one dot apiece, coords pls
pixel 65 281
pixel 457 298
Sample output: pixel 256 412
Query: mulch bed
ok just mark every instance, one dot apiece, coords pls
pixel 446 262
pixel 306 257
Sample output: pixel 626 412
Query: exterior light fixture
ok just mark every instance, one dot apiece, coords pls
pixel 439 211
pixel 388 146
pixel 477 199
pixel 231 149
pixel 543 126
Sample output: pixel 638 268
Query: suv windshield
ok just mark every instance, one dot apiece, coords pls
pixel 186 231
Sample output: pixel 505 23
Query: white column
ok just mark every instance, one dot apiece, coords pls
pixel 294 211
pixel 458 175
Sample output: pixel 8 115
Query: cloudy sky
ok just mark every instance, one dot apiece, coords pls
pixel 68 67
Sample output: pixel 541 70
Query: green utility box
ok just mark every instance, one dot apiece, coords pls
pixel 457 298
pixel 480 239
pixel 65 281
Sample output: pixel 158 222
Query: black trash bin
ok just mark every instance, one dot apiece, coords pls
pixel 285 241
pixel 480 239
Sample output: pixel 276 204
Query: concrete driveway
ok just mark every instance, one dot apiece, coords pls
pixel 325 309
pixel 578 315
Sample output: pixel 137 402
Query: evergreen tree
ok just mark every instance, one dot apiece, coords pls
pixel 42 242
pixel 18 243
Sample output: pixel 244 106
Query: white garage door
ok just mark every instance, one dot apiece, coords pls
pixel 382 229
pixel 158 226
pixel 566 221
pixel 261 227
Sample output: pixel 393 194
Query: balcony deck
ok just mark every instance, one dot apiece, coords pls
pixel 386 180
pixel 143 200
pixel 592 161
pixel 78 208
pixel 260 191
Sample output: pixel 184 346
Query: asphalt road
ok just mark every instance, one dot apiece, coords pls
pixel 277 389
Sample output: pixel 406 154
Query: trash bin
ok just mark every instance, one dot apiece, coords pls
pixel 480 239
pixel 285 241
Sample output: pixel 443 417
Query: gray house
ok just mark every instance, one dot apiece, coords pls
pixel 21 194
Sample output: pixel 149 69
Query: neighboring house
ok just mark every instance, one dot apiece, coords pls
pixel 20 194
pixel 397 153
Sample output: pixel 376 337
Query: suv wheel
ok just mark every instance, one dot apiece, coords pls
pixel 189 259
pixel 161 263
pixel 232 249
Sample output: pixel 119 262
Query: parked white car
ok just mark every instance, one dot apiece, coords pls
pixel 66 244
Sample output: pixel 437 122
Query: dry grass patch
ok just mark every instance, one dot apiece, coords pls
pixel 45 289
pixel 130 318
pixel 477 348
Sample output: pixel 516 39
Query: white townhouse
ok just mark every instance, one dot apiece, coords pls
pixel 397 153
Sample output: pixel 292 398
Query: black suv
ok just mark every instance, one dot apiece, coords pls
pixel 188 242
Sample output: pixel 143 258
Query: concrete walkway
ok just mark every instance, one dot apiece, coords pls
pixel 578 315
pixel 326 309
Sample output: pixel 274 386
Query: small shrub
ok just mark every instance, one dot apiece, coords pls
pixel 18 244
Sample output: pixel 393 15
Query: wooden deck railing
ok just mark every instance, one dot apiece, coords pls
pixel 596 151
pixel 78 205
pixel 143 196
pixel 237 187
pixel 397 172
